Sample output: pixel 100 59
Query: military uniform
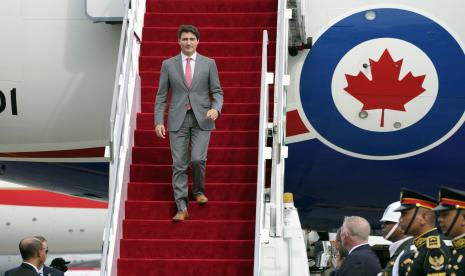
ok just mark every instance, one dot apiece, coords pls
pixel 405 249
pixel 431 255
pixel 450 200
pixel 456 265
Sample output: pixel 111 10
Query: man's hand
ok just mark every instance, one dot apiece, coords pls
pixel 212 114
pixel 160 131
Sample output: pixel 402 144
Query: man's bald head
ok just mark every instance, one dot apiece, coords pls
pixel 358 228
pixel 29 248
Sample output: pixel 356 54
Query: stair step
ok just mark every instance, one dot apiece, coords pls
pixel 169 49
pixel 187 249
pixel 221 6
pixel 225 122
pixel 204 19
pixel 189 229
pixel 218 156
pixel 214 174
pixel 219 138
pixel 148 107
pixel 224 64
pixel 233 94
pixel 213 210
pixel 253 78
pixel 215 191
pixel 184 267
pixel 212 34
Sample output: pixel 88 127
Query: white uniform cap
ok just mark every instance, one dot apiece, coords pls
pixel 390 215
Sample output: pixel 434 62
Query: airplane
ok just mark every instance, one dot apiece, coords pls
pixel 375 105
pixel 73 226
pixel 56 80
pixel 349 153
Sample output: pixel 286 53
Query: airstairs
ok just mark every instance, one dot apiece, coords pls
pixel 249 41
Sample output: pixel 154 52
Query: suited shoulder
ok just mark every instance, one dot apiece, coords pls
pixel 171 59
pixel 205 58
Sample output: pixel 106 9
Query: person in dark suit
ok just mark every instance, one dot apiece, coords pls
pixel 418 219
pixel 451 218
pixel 33 254
pixel 46 270
pixel 361 260
pixel 193 80
pixel 50 271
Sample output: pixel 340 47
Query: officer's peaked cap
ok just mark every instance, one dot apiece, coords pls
pixel 411 199
pixel 450 199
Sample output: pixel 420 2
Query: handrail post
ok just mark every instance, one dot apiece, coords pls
pixel 264 153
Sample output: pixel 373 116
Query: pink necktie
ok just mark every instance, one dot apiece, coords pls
pixel 188 74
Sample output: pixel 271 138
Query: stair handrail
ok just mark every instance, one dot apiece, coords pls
pixel 264 153
pixel 279 120
pixel 125 105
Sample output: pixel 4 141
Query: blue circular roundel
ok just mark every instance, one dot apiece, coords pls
pixel 442 119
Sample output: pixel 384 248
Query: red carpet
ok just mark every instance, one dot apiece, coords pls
pixel 218 238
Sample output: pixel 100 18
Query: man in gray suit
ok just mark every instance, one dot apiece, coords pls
pixel 193 80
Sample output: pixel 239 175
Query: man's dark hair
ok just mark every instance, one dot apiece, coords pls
pixel 188 29
pixel 29 247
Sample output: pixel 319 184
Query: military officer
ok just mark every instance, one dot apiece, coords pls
pixel 418 219
pixel 451 217
pixel 401 244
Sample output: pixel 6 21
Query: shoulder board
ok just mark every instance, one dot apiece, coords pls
pixel 419 242
pixel 459 244
pixel 433 242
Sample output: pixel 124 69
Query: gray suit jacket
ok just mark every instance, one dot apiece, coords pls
pixel 205 84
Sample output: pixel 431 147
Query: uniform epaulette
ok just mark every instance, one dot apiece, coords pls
pixel 433 242
pixel 419 242
pixel 459 243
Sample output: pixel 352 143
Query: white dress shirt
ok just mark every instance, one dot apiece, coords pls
pixel 355 247
pixel 37 270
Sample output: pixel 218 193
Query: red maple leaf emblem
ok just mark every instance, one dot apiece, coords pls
pixel 385 90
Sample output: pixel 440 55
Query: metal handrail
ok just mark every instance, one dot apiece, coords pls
pixel 279 120
pixel 263 154
pixel 119 72
pixel 121 113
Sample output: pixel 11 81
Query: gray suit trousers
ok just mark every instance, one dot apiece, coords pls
pixel 189 133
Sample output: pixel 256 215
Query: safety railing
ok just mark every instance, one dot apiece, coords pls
pixel 269 215
pixel 264 153
pixel 279 120
pixel 125 105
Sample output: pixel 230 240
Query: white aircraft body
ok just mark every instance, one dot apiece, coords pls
pixel 73 226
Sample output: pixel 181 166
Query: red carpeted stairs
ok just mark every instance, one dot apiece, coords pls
pixel 218 238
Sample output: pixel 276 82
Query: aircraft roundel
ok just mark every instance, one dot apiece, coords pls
pixel 384 84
